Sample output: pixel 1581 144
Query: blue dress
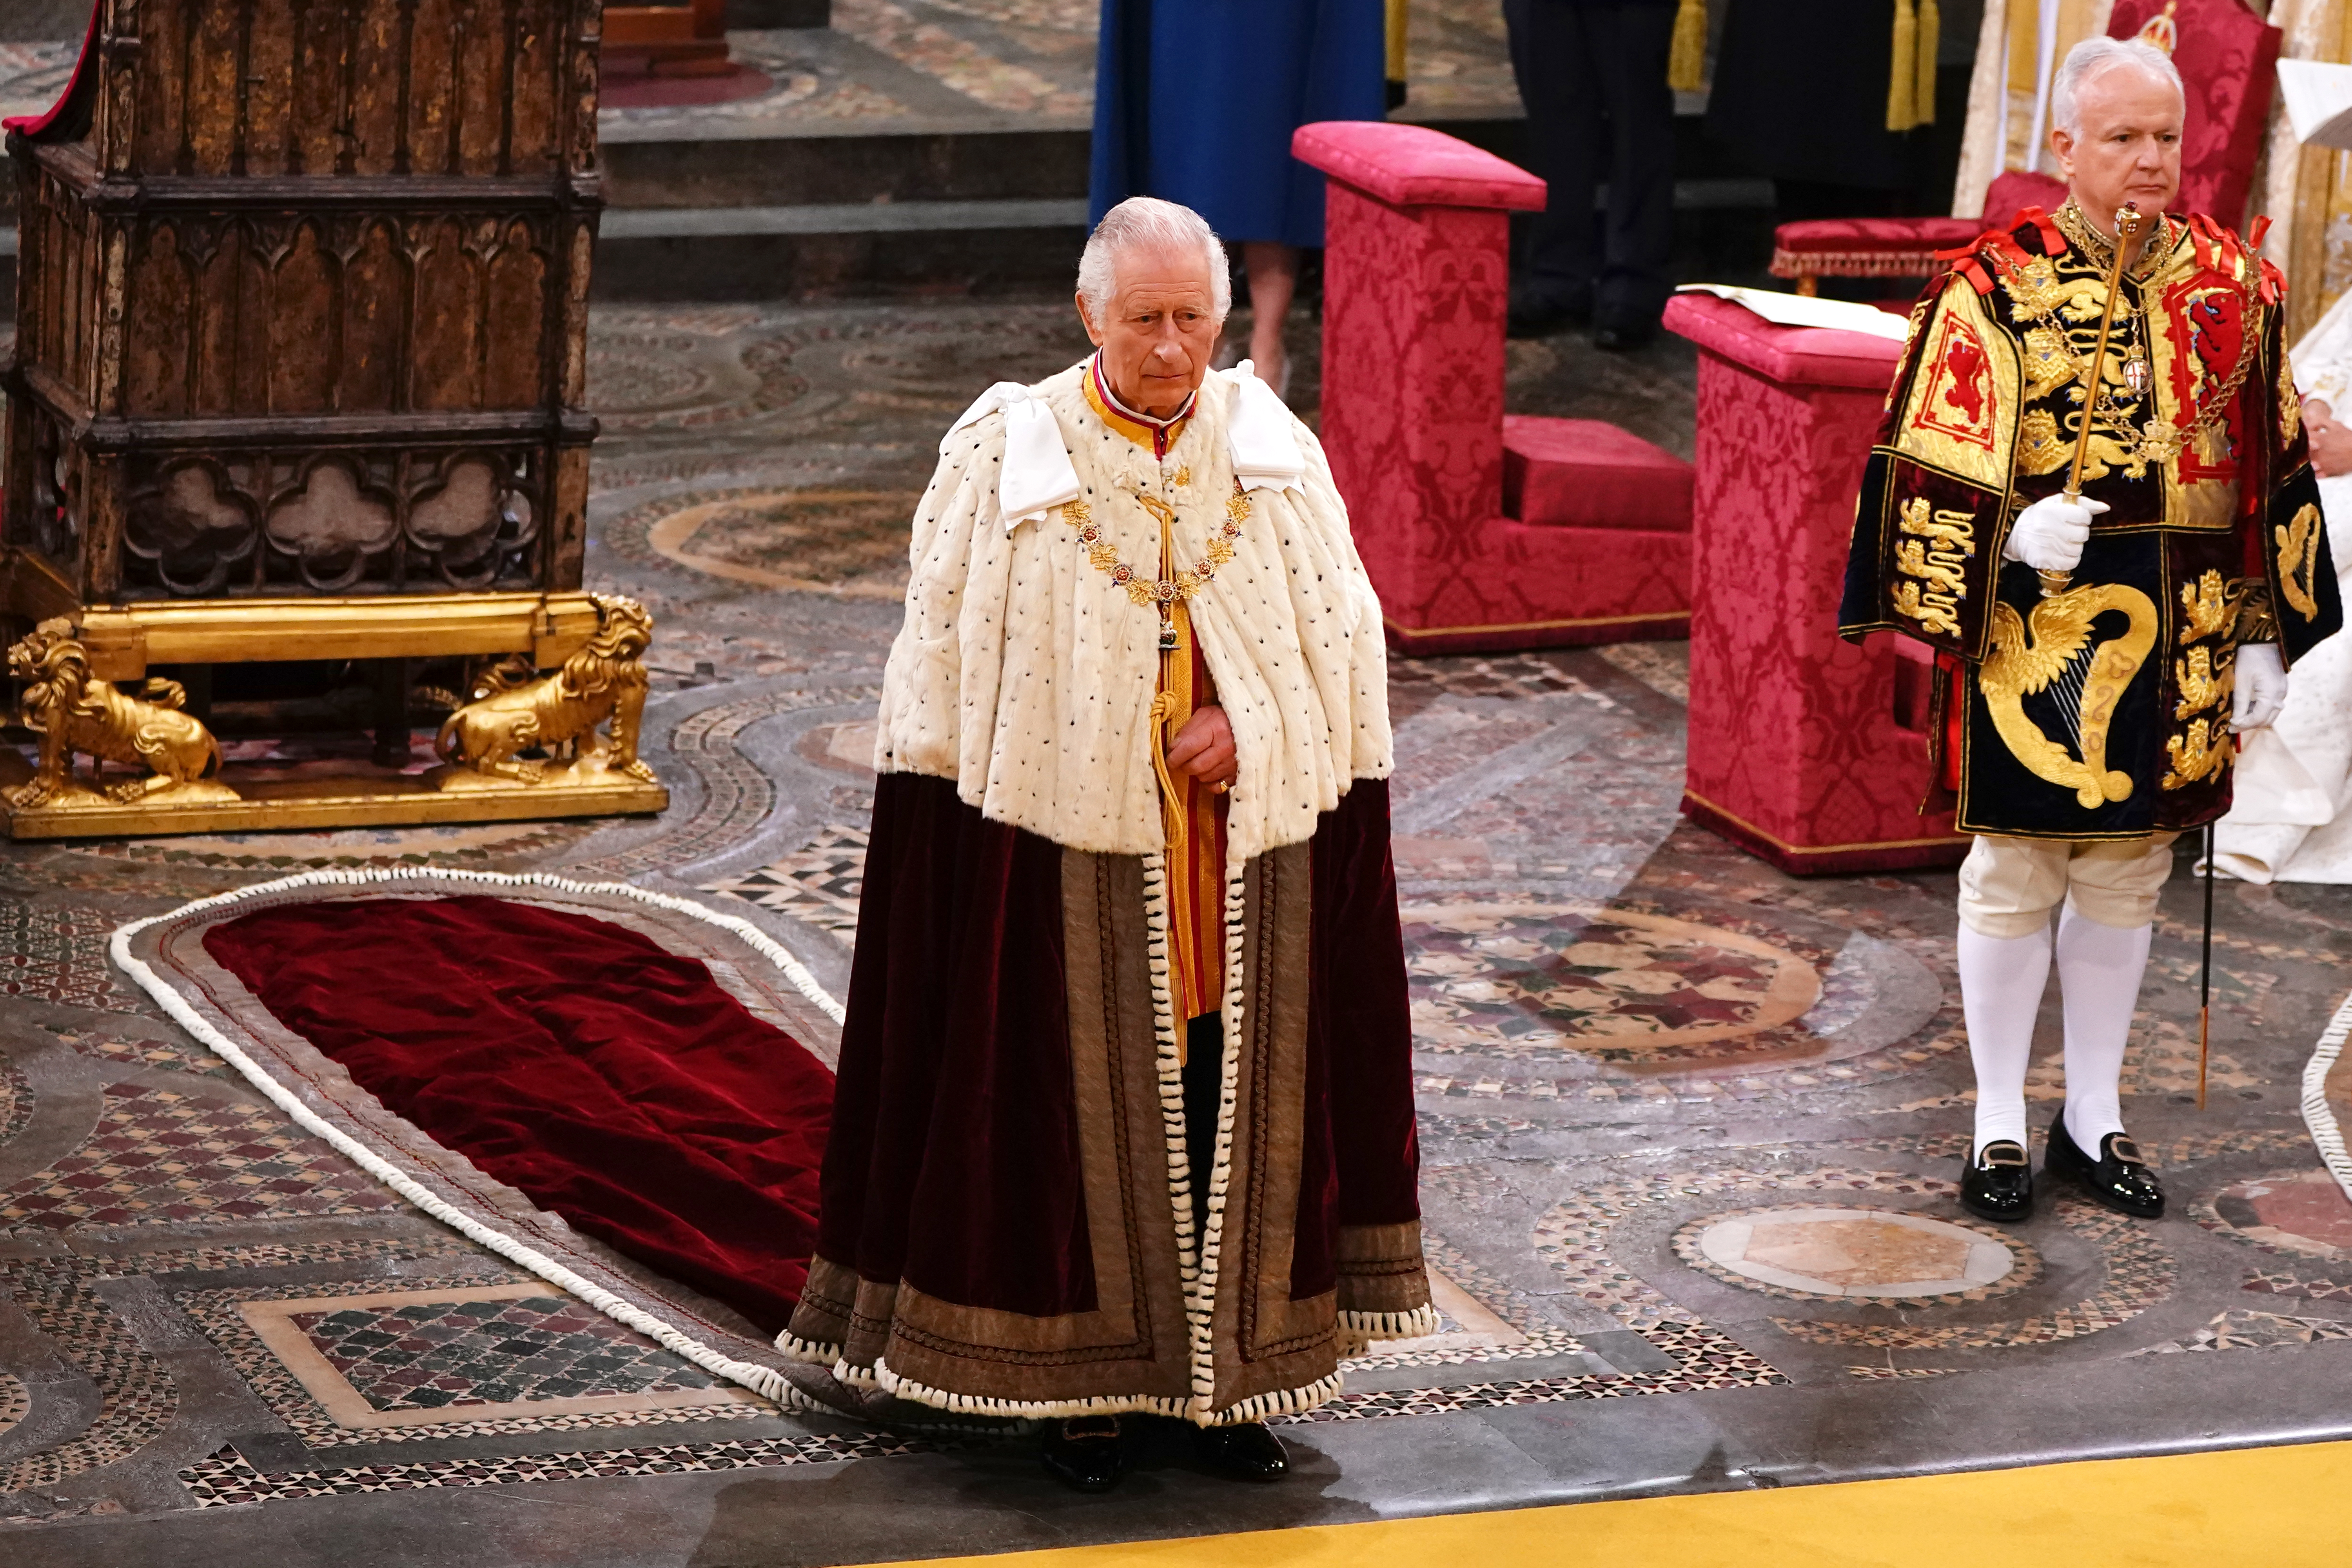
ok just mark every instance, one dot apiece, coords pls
pixel 1195 101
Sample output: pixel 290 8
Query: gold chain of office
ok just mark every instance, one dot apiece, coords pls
pixel 1164 593
pixel 2040 299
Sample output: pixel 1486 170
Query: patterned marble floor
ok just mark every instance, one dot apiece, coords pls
pixel 900 60
pixel 1690 1126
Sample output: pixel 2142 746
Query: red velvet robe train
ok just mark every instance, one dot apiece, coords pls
pixel 1005 1220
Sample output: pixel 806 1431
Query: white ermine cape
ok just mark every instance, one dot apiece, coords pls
pixel 1026 675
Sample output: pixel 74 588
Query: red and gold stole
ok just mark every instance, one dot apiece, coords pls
pixel 1192 814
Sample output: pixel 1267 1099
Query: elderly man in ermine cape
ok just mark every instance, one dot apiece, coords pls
pixel 1124 1123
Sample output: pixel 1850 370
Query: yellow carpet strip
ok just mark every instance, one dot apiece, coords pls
pixel 2274 1508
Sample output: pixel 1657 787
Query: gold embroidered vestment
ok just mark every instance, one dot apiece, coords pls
pixel 2103 712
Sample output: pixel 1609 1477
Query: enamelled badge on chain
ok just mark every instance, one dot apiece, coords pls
pixel 1160 591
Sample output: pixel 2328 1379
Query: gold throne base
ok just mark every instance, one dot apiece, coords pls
pixel 312 805
pixel 566 632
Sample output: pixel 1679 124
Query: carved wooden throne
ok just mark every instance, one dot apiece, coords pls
pixel 302 318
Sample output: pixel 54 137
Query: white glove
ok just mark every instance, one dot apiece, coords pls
pixel 2261 686
pixel 2048 535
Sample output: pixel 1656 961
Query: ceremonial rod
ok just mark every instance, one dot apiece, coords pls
pixel 2127 222
pixel 2205 980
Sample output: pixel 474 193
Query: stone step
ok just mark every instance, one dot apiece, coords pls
pixel 833 248
pixel 705 162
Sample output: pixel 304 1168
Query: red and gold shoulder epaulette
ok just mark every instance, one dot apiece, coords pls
pixel 2273 288
pixel 2273 284
pixel 1999 250
pixel 2219 250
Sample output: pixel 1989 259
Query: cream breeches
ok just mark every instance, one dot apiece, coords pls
pixel 2009 886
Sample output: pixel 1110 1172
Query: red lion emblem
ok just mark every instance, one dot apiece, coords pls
pixel 1966 373
pixel 1960 402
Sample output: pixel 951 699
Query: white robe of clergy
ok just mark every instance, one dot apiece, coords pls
pixel 2290 816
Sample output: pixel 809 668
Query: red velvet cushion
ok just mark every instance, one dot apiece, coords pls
pixel 2226 57
pixel 1588 473
pixel 1412 165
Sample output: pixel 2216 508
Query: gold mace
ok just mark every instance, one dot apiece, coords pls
pixel 2127 222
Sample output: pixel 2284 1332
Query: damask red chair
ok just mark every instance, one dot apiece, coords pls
pixel 1482 530
pixel 2226 57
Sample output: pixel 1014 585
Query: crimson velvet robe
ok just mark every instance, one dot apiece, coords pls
pixel 1005 1220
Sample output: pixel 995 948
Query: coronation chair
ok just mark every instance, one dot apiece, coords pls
pixel 295 416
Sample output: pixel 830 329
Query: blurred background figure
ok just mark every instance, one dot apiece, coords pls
pixel 1830 99
pixel 1194 103
pixel 1593 74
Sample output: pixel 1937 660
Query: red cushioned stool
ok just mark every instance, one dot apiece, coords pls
pixel 1414 277
pixel 1589 473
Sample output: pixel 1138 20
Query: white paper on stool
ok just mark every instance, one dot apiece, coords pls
pixel 1806 310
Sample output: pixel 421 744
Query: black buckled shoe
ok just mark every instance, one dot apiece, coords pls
pixel 1997 1182
pixel 1084 1453
pixel 2119 1178
pixel 1244 1453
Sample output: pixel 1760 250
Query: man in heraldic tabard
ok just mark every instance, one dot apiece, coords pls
pixel 2112 642
pixel 1124 1123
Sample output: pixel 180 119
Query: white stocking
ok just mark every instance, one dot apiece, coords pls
pixel 2099 970
pixel 2002 980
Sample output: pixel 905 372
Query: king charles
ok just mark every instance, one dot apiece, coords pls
pixel 1125 1117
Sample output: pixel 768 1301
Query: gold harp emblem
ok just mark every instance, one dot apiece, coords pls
pixel 2298 557
pixel 2051 650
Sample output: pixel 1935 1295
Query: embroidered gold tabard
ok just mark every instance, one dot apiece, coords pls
pixel 2209 532
pixel 1931 558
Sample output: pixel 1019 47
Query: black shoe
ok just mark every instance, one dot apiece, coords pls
pixel 1246 1453
pixel 1536 314
pixel 2119 1178
pixel 1998 1183
pixel 1084 1453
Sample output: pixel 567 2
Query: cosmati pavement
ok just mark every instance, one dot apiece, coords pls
pixel 1690 1126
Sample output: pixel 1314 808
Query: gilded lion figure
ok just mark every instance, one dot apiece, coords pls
pixel 604 682
pixel 74 711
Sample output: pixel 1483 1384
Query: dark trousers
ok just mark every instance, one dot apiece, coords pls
pixel 1593 78
pixel 1204 1084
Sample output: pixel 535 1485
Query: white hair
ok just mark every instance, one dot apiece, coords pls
pixel 1146 223
pixel 2095 57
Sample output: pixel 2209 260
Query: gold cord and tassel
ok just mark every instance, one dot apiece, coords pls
pixel 1911 79
pixel 1903 80
pixel 1686 63
pixel 1931 38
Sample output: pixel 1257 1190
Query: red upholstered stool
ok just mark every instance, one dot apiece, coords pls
pixel 1414 275
pixel 1589 473
pixel 1901 246
pixel 1804 747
